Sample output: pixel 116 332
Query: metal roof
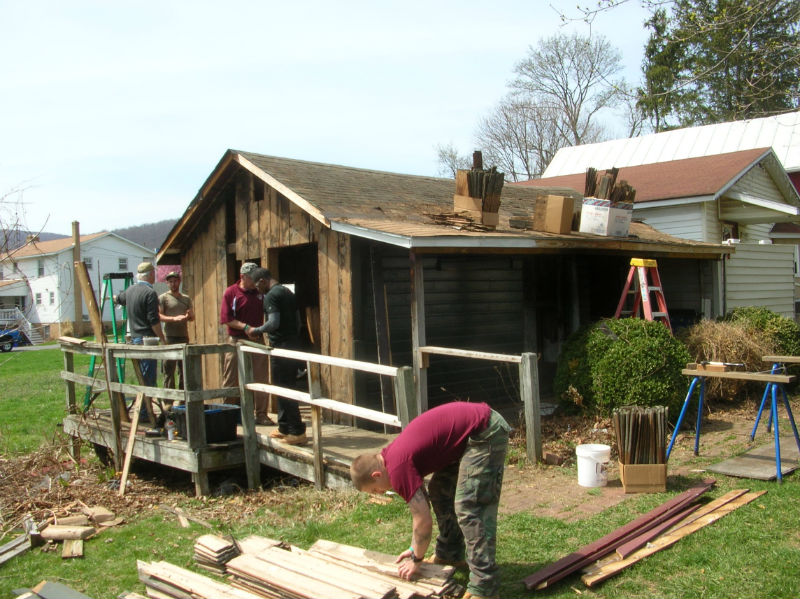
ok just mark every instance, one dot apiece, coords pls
pixel 781 133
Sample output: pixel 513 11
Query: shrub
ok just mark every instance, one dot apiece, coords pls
pixel 621 362
pixel 784 333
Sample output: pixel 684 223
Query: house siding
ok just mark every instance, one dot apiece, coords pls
pixel 688 221
pixel 761 275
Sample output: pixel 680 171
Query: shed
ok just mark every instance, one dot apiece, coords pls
pixel 376 277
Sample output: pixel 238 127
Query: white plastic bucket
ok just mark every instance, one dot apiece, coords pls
pixel 592 460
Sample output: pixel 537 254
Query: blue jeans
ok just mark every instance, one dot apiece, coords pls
pixel 149 370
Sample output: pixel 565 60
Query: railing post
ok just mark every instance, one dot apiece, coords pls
pixel 245 365
pixel 69 366
pixel 529 390
pixel 406 396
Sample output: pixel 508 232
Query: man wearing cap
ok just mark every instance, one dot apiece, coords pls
pixel 143 319
pixel 175 310
pixel 241 310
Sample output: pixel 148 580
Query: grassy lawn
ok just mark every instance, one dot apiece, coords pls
pixel 752 552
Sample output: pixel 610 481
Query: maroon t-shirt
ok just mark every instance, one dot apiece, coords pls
pixel 431 441
pixel 246 306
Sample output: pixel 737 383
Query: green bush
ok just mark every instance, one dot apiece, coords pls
pixel 622 362
pixel 783 332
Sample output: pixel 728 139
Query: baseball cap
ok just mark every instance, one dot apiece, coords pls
pixel 173 273
pixel 144 267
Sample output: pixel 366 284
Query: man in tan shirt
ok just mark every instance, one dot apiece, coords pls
pixel 175 311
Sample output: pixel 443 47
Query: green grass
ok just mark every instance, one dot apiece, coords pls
pixel 750 553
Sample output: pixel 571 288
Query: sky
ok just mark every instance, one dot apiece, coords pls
pixel 113 114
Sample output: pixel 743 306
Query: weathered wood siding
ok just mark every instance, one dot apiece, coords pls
pixel 471 302
pixel 265 221
pixel 761 275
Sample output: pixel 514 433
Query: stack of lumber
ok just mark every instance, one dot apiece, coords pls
pixel 655 530
pixel 463 220
pixel 164 580
pixel 332 570
pixel 212 552
pixel 641 434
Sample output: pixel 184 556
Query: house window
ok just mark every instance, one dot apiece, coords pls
pixel 123 264
pixel 40 268
pixel 88 260
pixel 38 299
pixel 730 231
pixel 52 298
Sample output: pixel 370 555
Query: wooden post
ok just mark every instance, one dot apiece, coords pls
pixel 529 390
pixel 381 328
pixel 195 415
pixel 69 366
pixel 418 331
pixel 77 327
pixel 117 401
pixel 245 364
pixel 406 397
pixel 316 431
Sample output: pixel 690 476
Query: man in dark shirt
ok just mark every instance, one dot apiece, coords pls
pixel 464 446
pixel 141 300
pixel 242 310
pixel 280 307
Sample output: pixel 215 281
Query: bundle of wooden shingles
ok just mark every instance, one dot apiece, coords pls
pixel 263 567
pixel 651 532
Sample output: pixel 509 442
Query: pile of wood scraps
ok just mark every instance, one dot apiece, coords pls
pixel 463 221
pixel 655 530
pixel 263 567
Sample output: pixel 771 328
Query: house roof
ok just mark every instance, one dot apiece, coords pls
pixel 781 133
pixel 687 178
pixel 56 246
pixel 394 208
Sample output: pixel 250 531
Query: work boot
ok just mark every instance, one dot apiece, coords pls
pixel 264 421
pixel 295 439
pixel 276 434
pixel 435 559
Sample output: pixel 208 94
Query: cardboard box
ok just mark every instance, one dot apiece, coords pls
pixel 467 203
pixel 558 215
pixel 601 218
pixel 643 478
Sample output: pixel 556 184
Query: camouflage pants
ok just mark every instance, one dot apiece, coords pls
pixel 465 496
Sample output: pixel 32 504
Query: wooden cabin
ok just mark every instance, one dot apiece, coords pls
pixel 377 277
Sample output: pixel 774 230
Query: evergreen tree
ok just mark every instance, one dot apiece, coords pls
pixel 712 61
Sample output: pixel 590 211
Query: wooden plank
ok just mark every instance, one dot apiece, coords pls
pixel 14 548
pixel 742 376
pixel 249 346
pixel 191 583
pixel 782 359
pixel 282 579
pixel 56 532
pixel 316 436
pixel 252 465
pixel 131 439
pixel 467 353
pixel 608 570
pixel 72 548
pixel 587 554
pixel 91 302
pixel 629 547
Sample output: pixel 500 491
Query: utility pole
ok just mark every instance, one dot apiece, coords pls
pixel 76 288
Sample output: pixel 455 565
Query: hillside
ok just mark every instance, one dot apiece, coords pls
pixel 150 235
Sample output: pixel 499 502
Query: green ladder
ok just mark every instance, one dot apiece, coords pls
pixel 117 329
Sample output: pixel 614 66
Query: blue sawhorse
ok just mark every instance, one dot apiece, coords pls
pixel 771 390
pixel 773 379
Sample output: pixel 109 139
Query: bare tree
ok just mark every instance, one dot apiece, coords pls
pixel 520 137
pixel 449 161
pixel 575 74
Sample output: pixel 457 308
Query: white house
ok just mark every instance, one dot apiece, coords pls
pixel 734 197
pixel 38 284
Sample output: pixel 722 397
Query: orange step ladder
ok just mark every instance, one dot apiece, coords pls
pixel 641 289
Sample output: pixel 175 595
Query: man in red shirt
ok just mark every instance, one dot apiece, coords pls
pixel 464 446
pixel 241 310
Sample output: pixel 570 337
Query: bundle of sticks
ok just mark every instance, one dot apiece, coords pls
pixel 641 434
pixel 487 185
pixel 605 187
